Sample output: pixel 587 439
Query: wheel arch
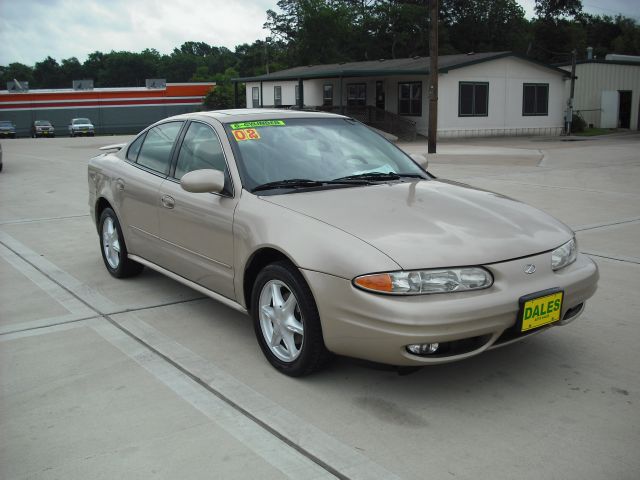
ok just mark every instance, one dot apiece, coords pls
pixel 258 260
pixel 101 204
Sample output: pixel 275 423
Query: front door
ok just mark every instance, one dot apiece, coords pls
pixel 196 229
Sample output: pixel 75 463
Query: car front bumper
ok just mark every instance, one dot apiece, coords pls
pixel 379 327
pixel 88 133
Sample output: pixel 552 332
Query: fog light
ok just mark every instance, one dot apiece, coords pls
pixel 423 348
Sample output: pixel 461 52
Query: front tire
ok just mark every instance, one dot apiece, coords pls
pixel 113 248
pixel 286 321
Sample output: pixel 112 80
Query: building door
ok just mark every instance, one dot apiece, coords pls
pixel 380 101
pixel 624 110
pixel 609 109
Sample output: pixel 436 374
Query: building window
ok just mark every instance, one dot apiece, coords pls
pixel 410 98
pixel 297 94
pixel 357 94
pixel 473 99
pixel 277 96
pixel 255 97
pixel 535 99
pixel 327 95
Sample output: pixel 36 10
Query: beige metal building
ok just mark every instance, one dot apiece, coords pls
pixel 607 92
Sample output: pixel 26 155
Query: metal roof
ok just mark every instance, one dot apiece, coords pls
pixel 382 67
pixel 599 61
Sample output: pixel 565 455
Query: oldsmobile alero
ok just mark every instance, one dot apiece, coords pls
pixel 333 239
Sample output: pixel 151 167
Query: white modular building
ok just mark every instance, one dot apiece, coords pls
pixel 480 94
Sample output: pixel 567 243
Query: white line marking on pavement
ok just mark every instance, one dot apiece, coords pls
pixel 326 449
pixel 79 289
pixel 305 438
pixel 59 294
pixel 268 447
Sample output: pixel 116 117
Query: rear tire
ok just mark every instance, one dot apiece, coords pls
pixel 286 321
pixel 113 248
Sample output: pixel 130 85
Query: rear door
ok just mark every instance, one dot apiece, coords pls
pixel 197 228
pixel 137 186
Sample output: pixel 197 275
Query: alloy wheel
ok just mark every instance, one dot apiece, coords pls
pixel 111 243
pixel 281 320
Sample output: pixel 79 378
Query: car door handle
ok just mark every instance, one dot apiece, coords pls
pixel 167 201
pixel 120 184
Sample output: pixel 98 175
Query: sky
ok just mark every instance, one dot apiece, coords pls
pixel 31 30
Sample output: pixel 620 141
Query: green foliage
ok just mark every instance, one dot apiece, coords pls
pixel 222 96
pixel 577 124
pixel 304 32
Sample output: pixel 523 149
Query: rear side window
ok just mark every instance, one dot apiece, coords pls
pixel 155 153
pixel 200 149
pixel 134 149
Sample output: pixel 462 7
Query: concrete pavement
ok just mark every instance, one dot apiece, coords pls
pixel 141 378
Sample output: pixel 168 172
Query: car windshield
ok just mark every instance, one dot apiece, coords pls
pixel 305 152
pixel 80 121
pixel 43 123
pixel 6 123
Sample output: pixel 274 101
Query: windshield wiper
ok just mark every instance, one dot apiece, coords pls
pixel 306 183
pixel 379 176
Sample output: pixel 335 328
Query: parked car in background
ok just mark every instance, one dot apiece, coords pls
pixel 81 126
pixel 7 129
pixel 333 239
pixel 42 128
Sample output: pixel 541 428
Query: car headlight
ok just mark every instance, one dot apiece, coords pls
pixel 564 255
pixel 426 281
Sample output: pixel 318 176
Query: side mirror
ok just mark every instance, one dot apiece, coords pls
pixel 420 160
pixel 203 181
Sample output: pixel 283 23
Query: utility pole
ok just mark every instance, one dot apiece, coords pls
pixel 573 84
pixel 266 52
pixel 433 75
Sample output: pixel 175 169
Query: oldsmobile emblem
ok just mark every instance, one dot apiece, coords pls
pixel 530 268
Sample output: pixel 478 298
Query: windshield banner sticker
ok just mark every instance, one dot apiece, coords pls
pixel 246 134
pixel 257 123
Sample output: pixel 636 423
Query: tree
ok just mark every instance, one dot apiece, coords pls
pixel 554 9
pixel 47 73
pixel 71 69
pixel 15 71
pixel 222 95
pixel 486 25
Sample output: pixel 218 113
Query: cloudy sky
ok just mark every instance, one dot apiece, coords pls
pixel 30 30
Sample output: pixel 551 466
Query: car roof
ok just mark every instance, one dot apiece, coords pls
pixel 250 114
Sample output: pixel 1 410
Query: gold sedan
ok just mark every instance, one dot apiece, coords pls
pixel 333 239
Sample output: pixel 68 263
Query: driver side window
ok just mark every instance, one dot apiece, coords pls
pixel 200 149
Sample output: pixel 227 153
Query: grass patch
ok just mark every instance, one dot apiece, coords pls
pixel 592 132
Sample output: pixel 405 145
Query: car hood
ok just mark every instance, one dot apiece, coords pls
pixel 422 224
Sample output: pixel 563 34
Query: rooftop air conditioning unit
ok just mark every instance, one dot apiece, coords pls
pixel 83 84
pixel 16 86
pixel 157 83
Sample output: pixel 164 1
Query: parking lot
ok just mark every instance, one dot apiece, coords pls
pixel 140 378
